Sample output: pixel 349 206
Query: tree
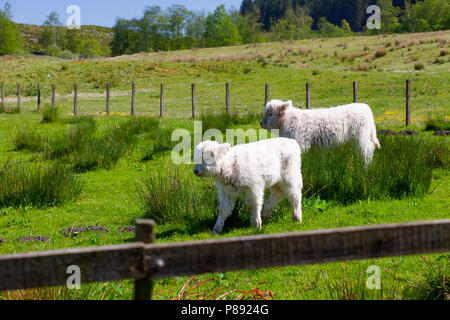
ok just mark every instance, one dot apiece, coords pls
pixel 53 33
pixel 195 30
pixel 220 30
pixel 9 36
pixel 248 26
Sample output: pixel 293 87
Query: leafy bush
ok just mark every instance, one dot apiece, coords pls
pixel 402 168
pixel 41 185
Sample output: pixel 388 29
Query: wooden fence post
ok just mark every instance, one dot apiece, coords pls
pixel 161 101
pixel 144 233
pixel 39 96
pixel 308 95
pixel 194 105
pixel 3 96
pixel 133 99
pixel 19 89
pixel 75 99
pixel 355 91
pixel 108 99
pixel 267 95
pixel 227 99
pixel 53 95
pixel 408 102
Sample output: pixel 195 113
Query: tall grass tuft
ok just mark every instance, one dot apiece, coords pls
pixel 170 195
pixel 402 168
pixel 437 123
pixel 37 185
pixel 49 114
pixel 432 283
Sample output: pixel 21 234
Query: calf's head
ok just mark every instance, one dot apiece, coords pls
pixel 274 114
pixel 206 156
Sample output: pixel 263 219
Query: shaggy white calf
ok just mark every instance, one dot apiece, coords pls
pixel 249 169
pixel 323 127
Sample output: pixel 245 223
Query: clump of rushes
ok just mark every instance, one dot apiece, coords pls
pixel 432 282
pixel 49 114
pixel 169 195
pixel 402 168
pixel 83 146
pixel 437 123
pixel 37 185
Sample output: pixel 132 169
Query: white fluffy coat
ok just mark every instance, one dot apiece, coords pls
pixel 247 170
pixel 324 127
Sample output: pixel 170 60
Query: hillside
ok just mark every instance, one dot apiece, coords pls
pixel 31 34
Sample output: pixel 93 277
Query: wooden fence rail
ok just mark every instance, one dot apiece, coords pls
pixel 145 261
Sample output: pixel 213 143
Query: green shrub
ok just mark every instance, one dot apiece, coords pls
pixel 37 185
pixel 402 168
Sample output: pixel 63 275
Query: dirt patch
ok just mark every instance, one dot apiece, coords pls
pixel 389 132
pixel 127 229
pixel 85 229
pixel 409 132
pixel 34 239
pixel 442 133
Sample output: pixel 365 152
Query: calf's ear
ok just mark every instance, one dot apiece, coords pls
pixel 282 109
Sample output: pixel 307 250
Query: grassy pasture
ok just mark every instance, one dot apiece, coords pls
pixel 112 196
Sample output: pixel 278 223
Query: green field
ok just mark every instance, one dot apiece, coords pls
pixel 108 197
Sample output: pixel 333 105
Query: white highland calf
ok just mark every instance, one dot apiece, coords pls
pixel 247 170
pixel 324 127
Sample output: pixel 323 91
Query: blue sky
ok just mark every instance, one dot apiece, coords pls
pixel 100 12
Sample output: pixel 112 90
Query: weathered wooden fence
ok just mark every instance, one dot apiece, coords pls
pixel 193 94
pixel 145 261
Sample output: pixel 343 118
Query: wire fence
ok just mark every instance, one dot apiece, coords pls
pixel 390 103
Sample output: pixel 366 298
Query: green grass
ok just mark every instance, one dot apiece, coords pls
pixel 109 194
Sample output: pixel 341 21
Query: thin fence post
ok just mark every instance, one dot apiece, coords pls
pixel 19 89
pixel 108 99
pixel 408 102
pixel 144 233
pixel 267 95
pixel 39 96
pixel 308 95
pixel 3 96
pixel 53 95
pixel 75 99
pixel 194 104
pixel 227 99
pixel 161 101
pixel 355 91
pixel 133 99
